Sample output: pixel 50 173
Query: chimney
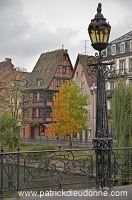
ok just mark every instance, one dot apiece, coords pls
pixel 8 60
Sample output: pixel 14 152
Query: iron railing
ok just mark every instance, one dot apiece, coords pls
pixel 57 169
pixel 62 142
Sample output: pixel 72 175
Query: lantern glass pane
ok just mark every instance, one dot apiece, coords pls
pixel 101 36
pixel 93 36
pixel 97 36
pixel 106 35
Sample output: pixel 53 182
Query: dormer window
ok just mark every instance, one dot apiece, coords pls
pixel 39 82
pixel 113 49
pixel 122 47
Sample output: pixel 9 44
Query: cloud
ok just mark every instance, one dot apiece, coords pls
pixel 29 28
pixel 13 25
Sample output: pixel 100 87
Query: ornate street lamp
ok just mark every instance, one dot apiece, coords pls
pixel 99 31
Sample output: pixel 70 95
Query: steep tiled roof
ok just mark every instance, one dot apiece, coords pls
pixel 127 36
pixel 83 60
pixel 45 68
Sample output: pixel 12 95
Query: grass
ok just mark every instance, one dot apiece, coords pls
pixel 79 155
pixel 32 147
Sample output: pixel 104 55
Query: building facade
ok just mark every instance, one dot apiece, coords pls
pixel 120 50
pixel 51 71
pixel 88 86
pixel 9 76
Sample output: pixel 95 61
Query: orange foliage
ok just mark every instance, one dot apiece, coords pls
pixel 69 111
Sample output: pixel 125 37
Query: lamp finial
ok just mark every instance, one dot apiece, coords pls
pixel 99 14
pixel 99 9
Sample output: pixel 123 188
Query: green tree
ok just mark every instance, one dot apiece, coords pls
pixel 122 114
pixel 122 125
pixel 69 110
pixel 9 130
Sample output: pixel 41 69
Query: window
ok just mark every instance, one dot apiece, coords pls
pixel 34 113
pixel 58 83
pixel 25 113
pixel 82 73
pixel 34 96
pixel 112 85
pixel 130 65
pixel 63 70
pixel 41 130
pixel 50 96
pixel 131 45
pixel 76 74
pixel 105 52
pixel 27 82
pixel 75 135
pixel 48 113
pixel 83 86
pixel 121 66
pixel 41 96
pixel 122 47
pixel 41 112
pixel 113 49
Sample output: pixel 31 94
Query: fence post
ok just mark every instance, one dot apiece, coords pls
pixel 18 167
pixel 114 171
pixel 1 189
pixel 86 143
pixel 77 142
pixel 110 165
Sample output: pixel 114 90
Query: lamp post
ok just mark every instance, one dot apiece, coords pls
pixel 99 31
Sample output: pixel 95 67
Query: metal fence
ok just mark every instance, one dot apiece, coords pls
pixel 57 169
pixel 62 142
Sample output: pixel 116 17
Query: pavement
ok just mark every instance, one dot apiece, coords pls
pixel 116 193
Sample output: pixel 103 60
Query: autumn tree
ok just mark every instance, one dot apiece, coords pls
pixel 69 110
pixel 122 114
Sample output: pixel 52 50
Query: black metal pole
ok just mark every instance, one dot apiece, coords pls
pixel 102 142
pixel 18 168
pixel 2 178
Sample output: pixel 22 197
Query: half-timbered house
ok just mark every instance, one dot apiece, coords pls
pixel 51 71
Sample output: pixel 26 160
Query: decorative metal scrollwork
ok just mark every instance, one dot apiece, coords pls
pixel 122 164
pixel 94 66
pixel 10 167
pixel 92 69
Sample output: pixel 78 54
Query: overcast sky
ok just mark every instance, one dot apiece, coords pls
pixel 31 27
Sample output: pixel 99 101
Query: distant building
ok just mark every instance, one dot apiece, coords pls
pixel 9 74
pixel 88 86
pixel 120 50
pixel 51 71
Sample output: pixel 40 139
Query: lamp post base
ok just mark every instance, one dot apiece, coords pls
pixel 103 151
